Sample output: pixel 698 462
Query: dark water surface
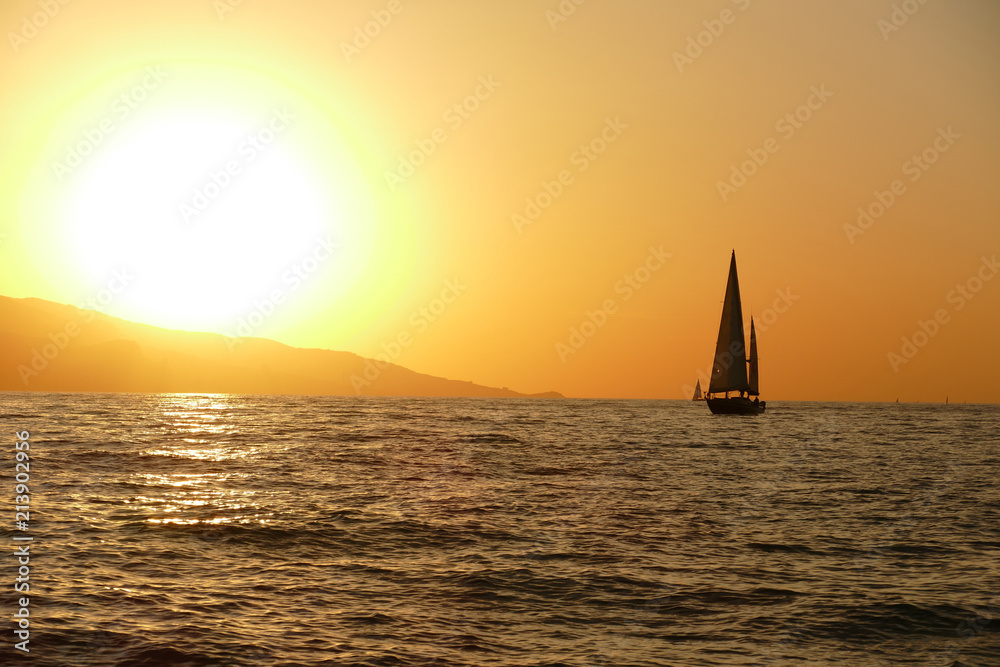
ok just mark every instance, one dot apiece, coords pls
pixel 227 530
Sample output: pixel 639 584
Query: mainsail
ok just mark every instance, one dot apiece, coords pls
pixel 729 370
pixel 754 385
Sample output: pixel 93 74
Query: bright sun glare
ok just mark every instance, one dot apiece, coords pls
pixel 202 241
pixel 206 210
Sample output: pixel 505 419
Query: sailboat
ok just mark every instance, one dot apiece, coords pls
pixel 698 396
pixel 729 369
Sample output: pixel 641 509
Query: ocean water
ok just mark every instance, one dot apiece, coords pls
pixel 229 530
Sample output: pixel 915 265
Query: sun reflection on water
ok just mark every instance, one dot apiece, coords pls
pixel 197 429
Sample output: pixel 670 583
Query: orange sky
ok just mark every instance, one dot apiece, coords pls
pixel 611 119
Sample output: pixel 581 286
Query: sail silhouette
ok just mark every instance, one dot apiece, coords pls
pixel 729 368
pixel 698 396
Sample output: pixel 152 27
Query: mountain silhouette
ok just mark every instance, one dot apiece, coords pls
pixel 46 346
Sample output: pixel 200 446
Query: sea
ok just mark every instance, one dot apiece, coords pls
pixel 356 531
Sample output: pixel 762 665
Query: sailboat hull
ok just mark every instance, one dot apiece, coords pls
pixel 736 405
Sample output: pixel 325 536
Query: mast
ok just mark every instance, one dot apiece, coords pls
pixel 729 368
pixel 754 385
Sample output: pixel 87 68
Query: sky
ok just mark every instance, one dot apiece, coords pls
pixel 536 195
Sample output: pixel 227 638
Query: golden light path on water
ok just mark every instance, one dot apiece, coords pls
pixel 201 498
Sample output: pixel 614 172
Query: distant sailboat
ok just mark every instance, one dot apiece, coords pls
pixel 729 369
pixel 698 396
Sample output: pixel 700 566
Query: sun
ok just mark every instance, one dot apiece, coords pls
pixel 206 211
pixel 204 214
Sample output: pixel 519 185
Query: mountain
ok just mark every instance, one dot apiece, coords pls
pixel 46 346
